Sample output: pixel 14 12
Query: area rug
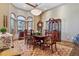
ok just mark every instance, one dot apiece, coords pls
pixel 61 51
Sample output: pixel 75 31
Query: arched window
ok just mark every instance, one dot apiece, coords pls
pixel 29 23
pixel 21 23
pixel 12 22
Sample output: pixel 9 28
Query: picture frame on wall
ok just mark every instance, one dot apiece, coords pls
pixel 5 20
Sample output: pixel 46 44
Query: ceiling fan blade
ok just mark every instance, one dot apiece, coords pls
pixel 31 5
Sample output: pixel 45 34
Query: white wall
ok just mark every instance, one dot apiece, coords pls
pixel 69 13
pixel 3 12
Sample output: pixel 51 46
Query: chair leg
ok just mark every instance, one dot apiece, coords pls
pixel 34 45
pixel 51 47
pixel 25 41
pixel 55 46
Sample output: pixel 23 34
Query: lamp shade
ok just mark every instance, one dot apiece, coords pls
pixel 36 12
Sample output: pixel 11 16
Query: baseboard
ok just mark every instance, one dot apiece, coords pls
pixel 67 41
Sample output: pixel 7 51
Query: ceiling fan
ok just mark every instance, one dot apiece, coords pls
pixel 35 11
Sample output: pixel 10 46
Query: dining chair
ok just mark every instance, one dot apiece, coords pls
pixel 54 39
pixel 29 38
pixel 47 41
pixel 50 41
pixel 21 35
pixel 26 35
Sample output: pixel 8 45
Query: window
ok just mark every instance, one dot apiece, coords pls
pixel 29 23
pixel 21 23
pixel 12 21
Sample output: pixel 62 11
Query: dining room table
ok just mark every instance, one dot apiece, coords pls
pixel 39 40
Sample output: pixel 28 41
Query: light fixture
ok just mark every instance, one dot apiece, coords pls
pixel 36 12
pixel 24 6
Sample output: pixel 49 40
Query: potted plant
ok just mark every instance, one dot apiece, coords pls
pixel 3 30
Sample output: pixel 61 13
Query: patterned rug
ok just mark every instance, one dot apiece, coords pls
pixel 27 50
pixel 61 51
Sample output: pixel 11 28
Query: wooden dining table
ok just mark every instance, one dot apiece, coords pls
pixel 39 39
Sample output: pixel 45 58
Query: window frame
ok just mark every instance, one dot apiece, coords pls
pixel 22 21
pixel 14 22
pixel 29 21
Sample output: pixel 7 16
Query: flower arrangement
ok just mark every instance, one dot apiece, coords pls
pixel 37 33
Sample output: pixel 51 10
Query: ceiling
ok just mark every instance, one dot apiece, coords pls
pixel 41 6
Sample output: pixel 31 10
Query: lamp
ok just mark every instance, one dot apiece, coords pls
pixel 36 12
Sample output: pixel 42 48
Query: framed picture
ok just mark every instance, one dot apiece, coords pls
pixel 5 20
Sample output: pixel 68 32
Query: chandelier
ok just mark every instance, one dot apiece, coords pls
pixel 36 12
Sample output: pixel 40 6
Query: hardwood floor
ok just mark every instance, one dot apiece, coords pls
pixel 75 48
